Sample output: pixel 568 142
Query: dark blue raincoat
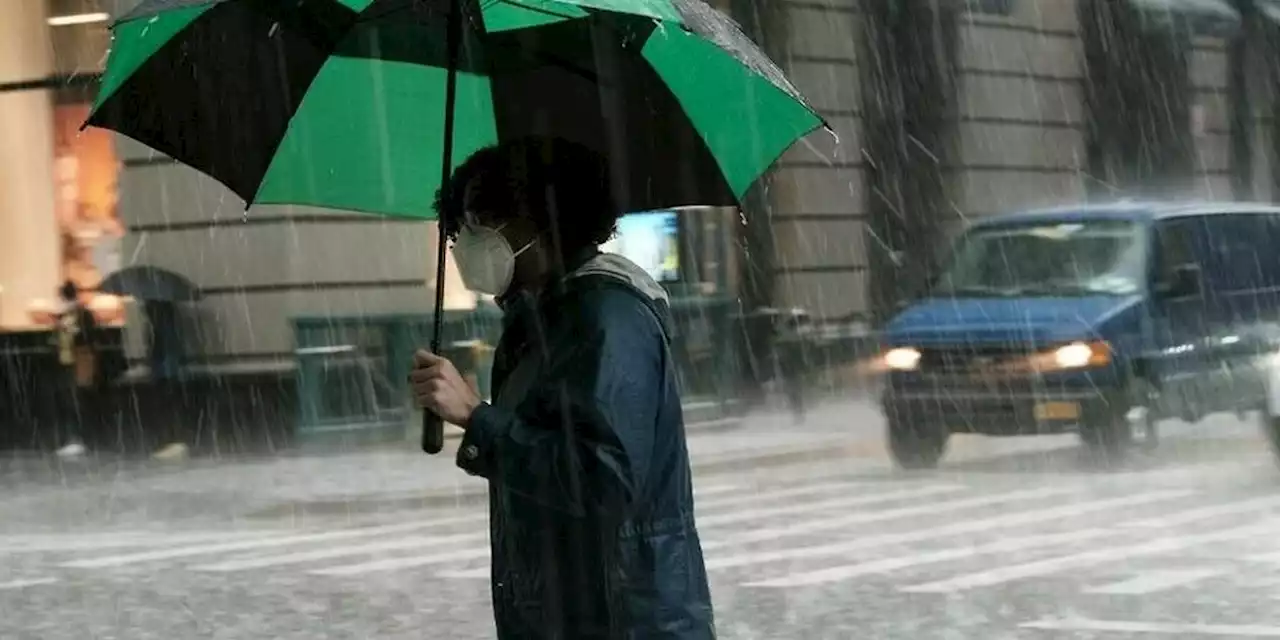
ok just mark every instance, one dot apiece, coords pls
pixel 591 504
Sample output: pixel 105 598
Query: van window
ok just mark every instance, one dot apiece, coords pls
pixel 1242 255
pixel 1174 247
pixel 1067 258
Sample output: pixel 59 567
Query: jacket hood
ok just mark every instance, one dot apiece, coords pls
pixel 629 273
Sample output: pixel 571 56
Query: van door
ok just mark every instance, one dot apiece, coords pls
pixel 1241 274
pixel 1177 359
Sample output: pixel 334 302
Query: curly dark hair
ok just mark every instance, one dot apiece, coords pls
pixel 524 178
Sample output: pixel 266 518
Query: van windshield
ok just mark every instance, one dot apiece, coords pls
pixel 1100 257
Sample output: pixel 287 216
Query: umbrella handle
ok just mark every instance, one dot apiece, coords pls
pixel 432 433
pixel 432 424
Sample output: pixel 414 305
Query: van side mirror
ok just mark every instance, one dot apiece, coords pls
pixel 1184 282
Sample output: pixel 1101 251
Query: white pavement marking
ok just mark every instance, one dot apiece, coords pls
pixel 95 542
pixel 398 544
pixel 345 534
pixel 1155 581
pixel 714 489
pixel 933 508
pixel 1050 566
pixel 23 584
pixel 1273 557
pixel 947 531
pixel 408 562
pixel 1210 512
pixel 747 515
pixel 1159 628
pixel 466 574
pixel 889 565
pixel 791 492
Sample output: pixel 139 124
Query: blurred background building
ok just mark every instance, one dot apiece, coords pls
pixel 942 111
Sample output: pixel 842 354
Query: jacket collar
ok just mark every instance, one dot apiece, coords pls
pixel 516 299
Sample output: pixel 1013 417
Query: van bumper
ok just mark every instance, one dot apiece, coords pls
pixel 1018 407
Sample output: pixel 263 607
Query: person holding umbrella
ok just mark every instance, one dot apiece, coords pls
pixel 365 105
pixel 591 502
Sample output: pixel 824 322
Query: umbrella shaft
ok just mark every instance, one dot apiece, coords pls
pixel 432 425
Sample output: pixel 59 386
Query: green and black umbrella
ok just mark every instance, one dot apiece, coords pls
pixel 366 105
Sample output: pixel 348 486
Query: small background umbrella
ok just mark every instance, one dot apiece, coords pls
pixel 366 105
pixel 150 284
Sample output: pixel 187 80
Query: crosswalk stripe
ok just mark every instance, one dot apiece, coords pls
pixel 94 542
pixel 861 543
pixel 399 544
pixel 255 562
pixel 1050 566
pixel 822 505
pixel 1158 628
pixel 946 531
pixel 1155 581
pixel 407 562
pixel 790 492
pixel 1272 557
pixel 933 508
pixel 889 565
pixel 715 489
pixel 183 552
pixel 466 574
pixel 1210 512
pixel 23 584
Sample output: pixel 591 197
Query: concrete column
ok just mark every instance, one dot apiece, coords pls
pixel 1139 98
pixel 29 262
pixel 909 105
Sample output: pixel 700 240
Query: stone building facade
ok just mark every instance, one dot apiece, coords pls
pixel 942 111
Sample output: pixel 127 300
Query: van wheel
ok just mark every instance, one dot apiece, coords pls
pixel 1109 436
pixel 914 447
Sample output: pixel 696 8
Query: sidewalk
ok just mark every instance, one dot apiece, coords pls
pixel 43 492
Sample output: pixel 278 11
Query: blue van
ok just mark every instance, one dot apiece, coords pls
pixel 1100 320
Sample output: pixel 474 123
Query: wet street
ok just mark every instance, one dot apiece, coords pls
pixel 1010 539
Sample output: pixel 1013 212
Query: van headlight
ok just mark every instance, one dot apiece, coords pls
pixel 1079 355
pixel 902 359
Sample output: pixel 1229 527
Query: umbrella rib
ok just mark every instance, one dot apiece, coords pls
pixel 541 10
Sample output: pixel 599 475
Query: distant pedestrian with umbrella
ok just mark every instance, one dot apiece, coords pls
pixel 161 293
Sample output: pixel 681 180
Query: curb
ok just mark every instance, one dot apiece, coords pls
pixel 478 494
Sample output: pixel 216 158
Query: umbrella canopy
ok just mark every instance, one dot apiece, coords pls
pixel 367 105
pixel 340 103
pixel 151 284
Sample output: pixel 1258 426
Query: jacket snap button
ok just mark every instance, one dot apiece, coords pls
pixel 470 452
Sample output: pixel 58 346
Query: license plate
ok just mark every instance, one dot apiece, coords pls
pixel 1057 411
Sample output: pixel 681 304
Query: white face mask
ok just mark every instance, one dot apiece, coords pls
pixel 485 259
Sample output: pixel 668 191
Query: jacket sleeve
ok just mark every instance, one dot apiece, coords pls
pixel 584 437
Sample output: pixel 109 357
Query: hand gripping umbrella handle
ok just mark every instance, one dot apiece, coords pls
pixel 432 425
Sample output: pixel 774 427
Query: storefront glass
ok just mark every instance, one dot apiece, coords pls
pixel 52 73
